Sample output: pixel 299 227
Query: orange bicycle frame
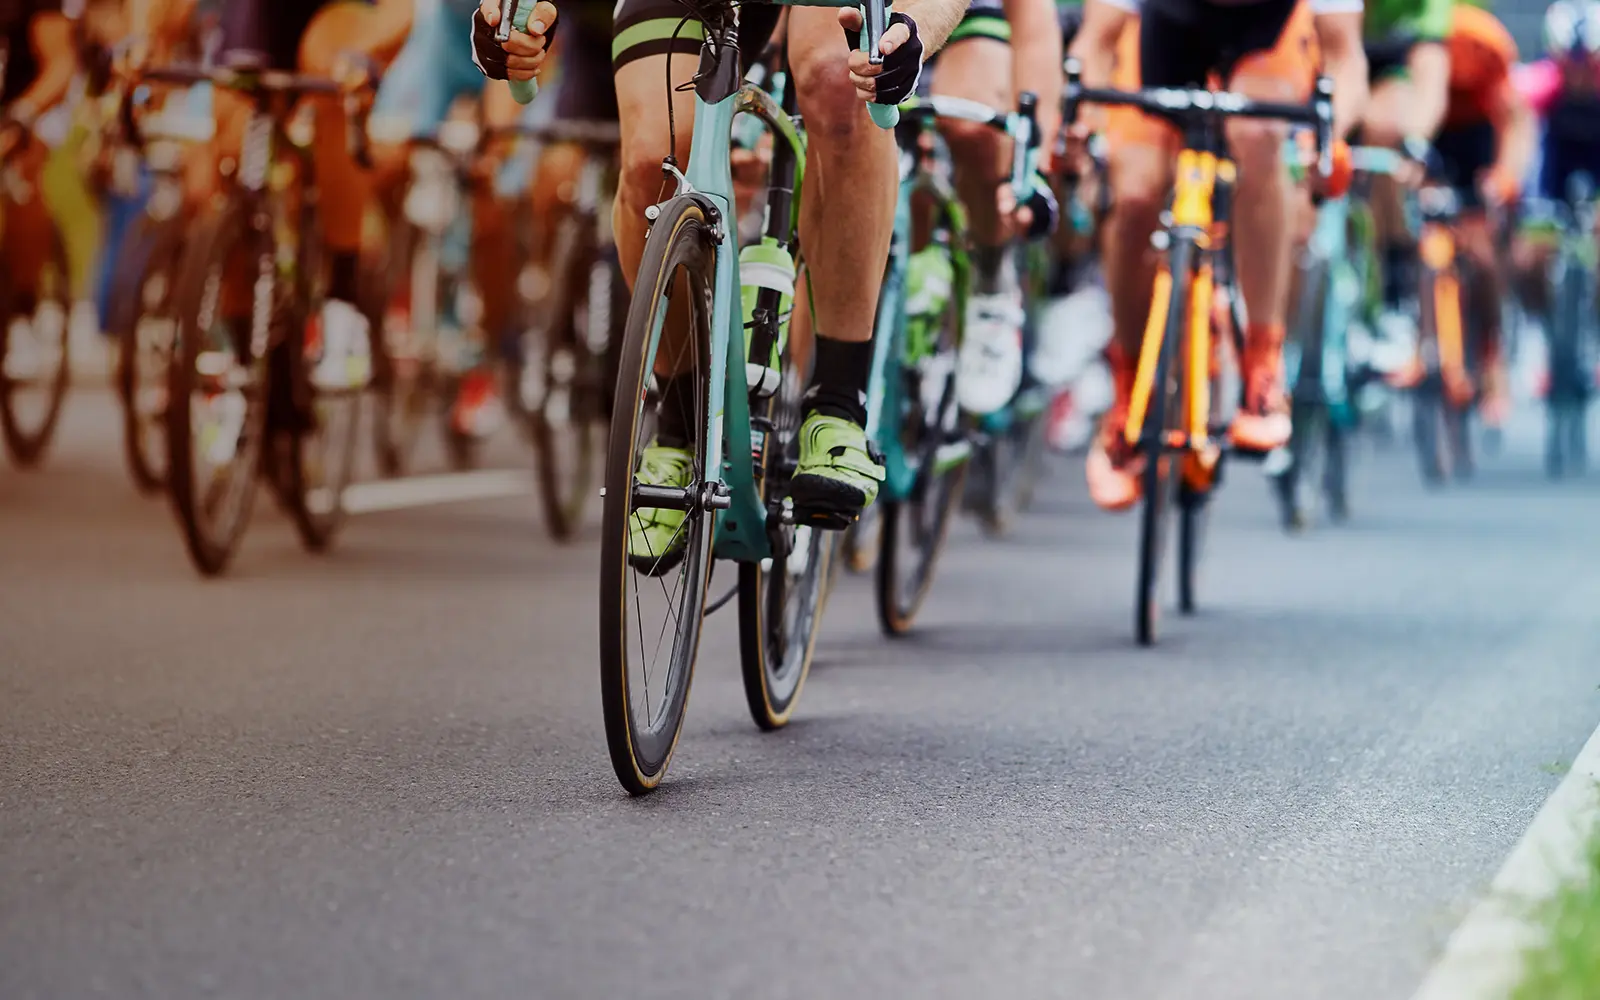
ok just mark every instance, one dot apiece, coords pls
pixel 1193 189
pixel 1437 248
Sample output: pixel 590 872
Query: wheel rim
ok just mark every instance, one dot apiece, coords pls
pixel 36 361
pixel 226 409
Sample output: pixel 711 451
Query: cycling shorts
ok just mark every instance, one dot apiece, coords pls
pixel 432 71
pixel 982 20
pixel 1070 17
pixel 1185 45
pixel 1464 153
pixel 585 89
pixel 1389 57
pixel 1564 152
pixel 642 28
pixel 267 30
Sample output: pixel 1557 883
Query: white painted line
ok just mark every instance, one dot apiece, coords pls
pixel 1484 957
pixel 426 491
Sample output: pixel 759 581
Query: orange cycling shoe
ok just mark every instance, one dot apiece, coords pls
pixel 1262 423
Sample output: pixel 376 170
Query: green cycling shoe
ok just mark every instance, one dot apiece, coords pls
pixel 655 541
pixel 837 477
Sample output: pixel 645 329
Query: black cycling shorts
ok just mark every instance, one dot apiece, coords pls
pixel 266 31
pixel 586 91
pixel 642 28
pixel 1182 42
pixel 1463 153
pixel 1389 57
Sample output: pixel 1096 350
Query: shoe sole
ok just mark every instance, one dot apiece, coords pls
pixel 826 503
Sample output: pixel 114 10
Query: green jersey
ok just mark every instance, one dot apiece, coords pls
pixel 1425 20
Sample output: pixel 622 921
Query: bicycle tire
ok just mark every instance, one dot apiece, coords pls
pixel 406 383
pixel 681 240
pixel 315 434
pixel 906 567
pixel 780 607
pixel 219 236
pixel 1008 466
pixel 1194 526
pixel 145 329
pixel 26 441
pixel 567 428
pixel 1160 475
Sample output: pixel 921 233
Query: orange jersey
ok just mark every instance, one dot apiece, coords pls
pixel 1481 57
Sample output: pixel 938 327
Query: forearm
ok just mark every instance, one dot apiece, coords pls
pixel 936 19
pixel 1036 58
pixel 1429 91
pixel 1519 139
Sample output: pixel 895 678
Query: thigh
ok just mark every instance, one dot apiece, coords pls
pixel 976 68
pixel 643 99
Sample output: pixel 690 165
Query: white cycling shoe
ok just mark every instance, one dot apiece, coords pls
pixel 989 366
pixel 1073 330
pixel 346 361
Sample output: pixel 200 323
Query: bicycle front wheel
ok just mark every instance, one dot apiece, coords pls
pixel 142 317
pixel 1160 476
pixel 216 394
pixel 652 600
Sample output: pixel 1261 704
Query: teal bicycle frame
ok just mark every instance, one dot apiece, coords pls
pixel 884 400
pixel 741 526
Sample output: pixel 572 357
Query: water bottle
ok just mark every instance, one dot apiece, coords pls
pixel 761 266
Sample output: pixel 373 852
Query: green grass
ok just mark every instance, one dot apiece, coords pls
pixel 1566 964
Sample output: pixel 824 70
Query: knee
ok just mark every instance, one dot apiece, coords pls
pixel 833 113
pixel 1258 149
pixel 639 181
pixel 1137 197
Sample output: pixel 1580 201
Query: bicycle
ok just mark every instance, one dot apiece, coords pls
pixel 1570 331
pixel 35 359
pixel 1442 395
pixel 1334 271
pixel 743 429
pixel 913 417
pixel 241 401
pixel 563 365
pixel 1185 389
pixel 139 310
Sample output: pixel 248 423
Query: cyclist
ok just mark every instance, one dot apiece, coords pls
pixel 1483 151
pixel 432 71
pixel 40 61
pixel 1262 50
pixel 999 50
pixel 1409 68
pixel 1564 92
pixel 847 216
pixel 346 41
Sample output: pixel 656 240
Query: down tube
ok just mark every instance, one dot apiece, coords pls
pixel 883 392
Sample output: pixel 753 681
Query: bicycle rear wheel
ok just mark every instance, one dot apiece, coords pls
pixel 1160 476
pixel 314 429
pixel 912 530
pixel 34 350
pixel 145 327
pixel 216 393
pixel 563 383
pixel 781 598
pixel 1194 524
pixel 1006 469
pixel 644 687
pixel 405 354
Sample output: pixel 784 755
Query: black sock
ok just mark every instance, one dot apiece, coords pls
pixel 987 265
pixel 342 268
pixel 1397 260
pixel 675 413
pixel 839 380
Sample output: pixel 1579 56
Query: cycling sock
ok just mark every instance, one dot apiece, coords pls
pixel 676 410
pixel 839 381
pixel 988 270
pixel 342 276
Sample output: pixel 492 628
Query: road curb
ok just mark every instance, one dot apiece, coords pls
pixel 1485 956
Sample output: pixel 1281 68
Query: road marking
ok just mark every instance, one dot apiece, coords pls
pixel 426 491
pixel 1484 957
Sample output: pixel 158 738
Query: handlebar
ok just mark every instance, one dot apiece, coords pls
pixel 1185 103
pixel 874 22
pixel 514 14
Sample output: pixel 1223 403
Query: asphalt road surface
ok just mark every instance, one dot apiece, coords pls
pixel 380 773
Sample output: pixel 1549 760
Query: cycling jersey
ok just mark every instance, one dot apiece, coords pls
pixel 432 71
pixel 1418 20
pixel 1481 56
pixel 1570 127
pixel 21 62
